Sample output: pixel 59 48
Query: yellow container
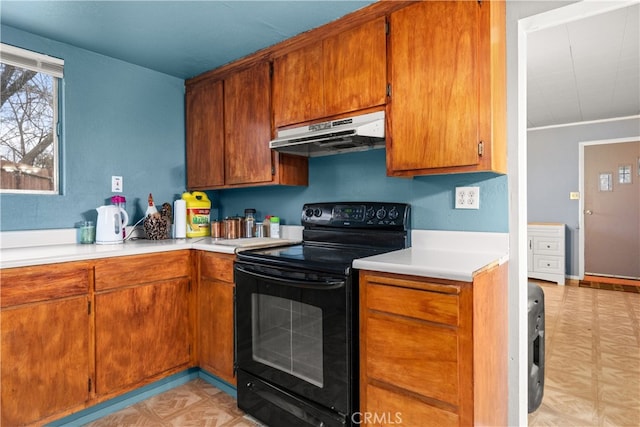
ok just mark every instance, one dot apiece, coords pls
pixel 198 210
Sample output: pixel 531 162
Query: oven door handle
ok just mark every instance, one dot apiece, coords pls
pixel 328 284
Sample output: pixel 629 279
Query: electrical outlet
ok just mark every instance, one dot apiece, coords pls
pixel 574 195
pixel 467 197
pixel 116 184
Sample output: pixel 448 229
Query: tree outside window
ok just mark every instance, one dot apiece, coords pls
pixel 28 122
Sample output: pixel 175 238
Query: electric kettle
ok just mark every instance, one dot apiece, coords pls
pixel 111 220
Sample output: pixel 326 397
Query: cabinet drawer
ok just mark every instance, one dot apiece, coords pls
pixel 40 283
pixel 546 230
pixel 548 264
pixel 217 266
pixel 547 246
pixel 427 354
pixel 393 407
pixel 138 269
pixel 424 305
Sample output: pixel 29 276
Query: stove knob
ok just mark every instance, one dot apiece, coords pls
pixel 370 213
pixel 381 213
pixel 393 213
pixel 317 212
pixel 308 212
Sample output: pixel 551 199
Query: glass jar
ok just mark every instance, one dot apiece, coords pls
pixel 249 222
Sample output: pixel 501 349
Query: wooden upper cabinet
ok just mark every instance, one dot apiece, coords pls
pixel 447 108
pixel 298 86
pixel 228 133
pixel 339 74
pixel 355 68
pixel 248 126
pixel 205 134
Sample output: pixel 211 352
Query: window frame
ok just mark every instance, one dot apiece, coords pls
pixel 53 67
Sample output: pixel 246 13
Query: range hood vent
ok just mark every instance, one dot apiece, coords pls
pixel 358 133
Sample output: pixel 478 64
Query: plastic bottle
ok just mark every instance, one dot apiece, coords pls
pixel 198 210
pixel 274 230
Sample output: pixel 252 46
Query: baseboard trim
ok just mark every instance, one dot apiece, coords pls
pixel 611 280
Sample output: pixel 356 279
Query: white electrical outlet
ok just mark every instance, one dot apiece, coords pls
pixel 116 184
pixel 467 197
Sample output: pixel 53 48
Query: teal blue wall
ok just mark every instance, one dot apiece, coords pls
pixel 121 119
pixel 361 177
pixel 118 119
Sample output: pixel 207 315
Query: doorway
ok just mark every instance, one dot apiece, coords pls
pixel 609 234
pixel 529 23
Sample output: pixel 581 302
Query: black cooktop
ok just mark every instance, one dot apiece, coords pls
pixel 337 233
pixel 334 259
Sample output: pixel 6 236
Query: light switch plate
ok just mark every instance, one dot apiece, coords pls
pixel 116 184
pixel 467 197
pixel 574 195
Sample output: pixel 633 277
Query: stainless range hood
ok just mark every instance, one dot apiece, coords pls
pixel 349 134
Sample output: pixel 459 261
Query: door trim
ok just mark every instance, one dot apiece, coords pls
pixel 582 146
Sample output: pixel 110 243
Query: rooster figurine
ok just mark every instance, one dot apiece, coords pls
pixel 157 224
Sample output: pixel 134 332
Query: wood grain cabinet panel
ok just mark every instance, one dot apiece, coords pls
pixel 141 331
pixel 248 126
pixel 142 318
pixel 426 362
pixel 298 86
pixel 447 108
pixel 45 344
pixel 229 122
pixel 215 315
pixel 205 134
pixel 341 73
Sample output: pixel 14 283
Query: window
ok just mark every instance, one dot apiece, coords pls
pixel 29 121
pixel 624 174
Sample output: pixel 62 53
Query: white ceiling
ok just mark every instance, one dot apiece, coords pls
pixel 584 70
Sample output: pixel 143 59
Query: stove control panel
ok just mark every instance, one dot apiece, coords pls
pixel 381 215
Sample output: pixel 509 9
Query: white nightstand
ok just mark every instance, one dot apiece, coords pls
pixel 546 251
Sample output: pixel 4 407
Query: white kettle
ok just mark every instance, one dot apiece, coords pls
pixel 111 220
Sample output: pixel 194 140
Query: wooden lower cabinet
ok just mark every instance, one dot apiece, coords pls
pixel 432 351
pixel 45 348
pixel 142 319
pixel 215 315
pixel 80 333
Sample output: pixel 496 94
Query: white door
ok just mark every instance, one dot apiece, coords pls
pixel 612 210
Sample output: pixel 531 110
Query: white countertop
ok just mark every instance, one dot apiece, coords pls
pixel 453 255
pixel 45 249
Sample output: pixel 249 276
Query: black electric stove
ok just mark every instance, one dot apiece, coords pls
pixel 296 314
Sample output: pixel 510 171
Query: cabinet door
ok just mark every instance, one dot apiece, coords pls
pixel 205 135
pixel 141 331
pixel 355 63
pixel 342 73
pixel 248 126
pixel 434 86
pixel 45 359
pixel 215 315
pixel 298 86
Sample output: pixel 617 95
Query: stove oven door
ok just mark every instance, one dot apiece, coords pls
pixel 293 332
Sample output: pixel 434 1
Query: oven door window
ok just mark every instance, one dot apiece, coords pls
pixel 287 335
pixel 293 330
